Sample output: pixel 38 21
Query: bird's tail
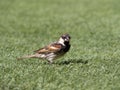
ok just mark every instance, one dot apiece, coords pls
pixel 27 57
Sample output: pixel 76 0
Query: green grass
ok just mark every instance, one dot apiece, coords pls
pixel 93 62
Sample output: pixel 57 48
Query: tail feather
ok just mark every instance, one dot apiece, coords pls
pixel 26 57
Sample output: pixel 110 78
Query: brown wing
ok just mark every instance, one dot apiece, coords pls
pixel 50 48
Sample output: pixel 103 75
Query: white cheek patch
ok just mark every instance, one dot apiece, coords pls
pixel 61 41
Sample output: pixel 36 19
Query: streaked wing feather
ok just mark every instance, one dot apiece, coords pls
pixel 50 48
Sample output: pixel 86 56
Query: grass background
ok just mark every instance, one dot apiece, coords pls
pixel 93 63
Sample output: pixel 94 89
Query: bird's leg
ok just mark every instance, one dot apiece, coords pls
pixel 50 61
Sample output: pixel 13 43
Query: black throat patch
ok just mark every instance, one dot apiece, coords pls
pixel 67 46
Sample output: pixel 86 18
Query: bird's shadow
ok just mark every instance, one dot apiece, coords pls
pixel 72 61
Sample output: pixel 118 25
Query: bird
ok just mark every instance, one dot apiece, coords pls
pixel 52 51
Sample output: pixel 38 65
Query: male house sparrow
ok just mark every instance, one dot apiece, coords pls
pixel 53 50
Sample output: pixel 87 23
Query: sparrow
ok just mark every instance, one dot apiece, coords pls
pixel 52 51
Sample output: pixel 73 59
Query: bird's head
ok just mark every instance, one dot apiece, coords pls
pixel 65 38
